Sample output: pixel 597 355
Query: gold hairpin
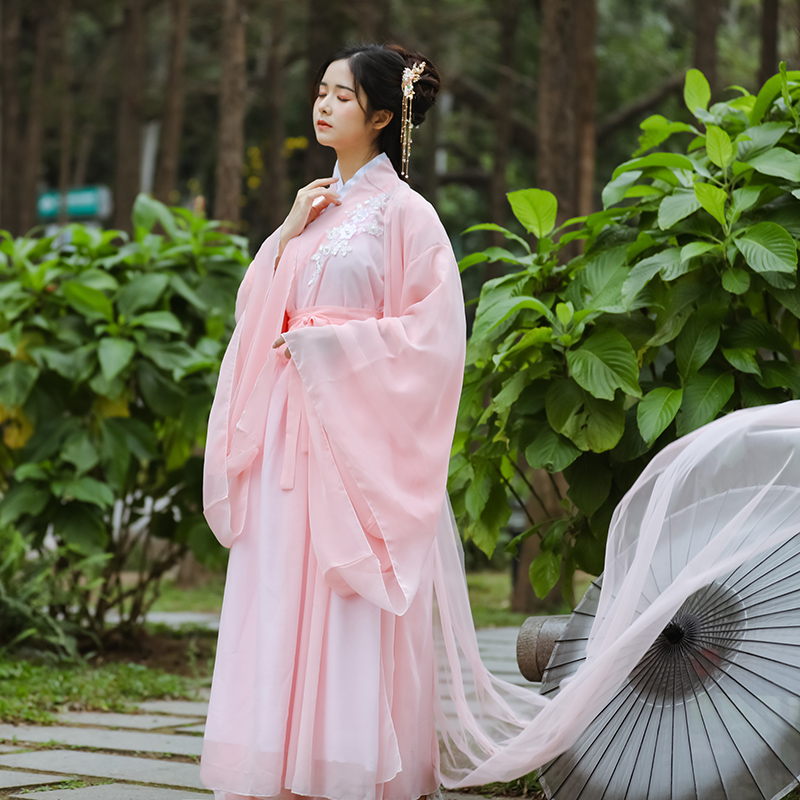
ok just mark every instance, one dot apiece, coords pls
pixel 410 76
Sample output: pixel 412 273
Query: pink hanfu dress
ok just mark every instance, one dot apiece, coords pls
pixel 325 475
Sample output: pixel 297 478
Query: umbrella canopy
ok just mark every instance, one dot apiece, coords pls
pixel 712 709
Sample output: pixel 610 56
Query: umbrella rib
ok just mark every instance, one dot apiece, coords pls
pixel 789 593
pixel 745 718
pixel 705 730
pixel 619 699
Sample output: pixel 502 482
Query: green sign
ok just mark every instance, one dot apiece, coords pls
pixel 83 202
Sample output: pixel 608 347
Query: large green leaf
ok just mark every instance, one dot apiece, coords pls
pixel 535 209
pixel 756 333
pixel 74 364
pixel 655 160
pixel 604 363
pixel 696 91
pixel 159 320
pixel 92 303
pixel 23 498
pixel 114 355
pixel 490 316
pixel 80 528
pixel 591 423
pixel 712 198
pixel 704 396
pixel 478 490
pixel 80 451
pixel 657 410
pixel 675 207
pixel 779 162
pixel 643 272
pixel 695 344
pixel 160 392
pixel 719 147
pixel 16 381
pixel 147 211
pixel 589 482
pixel 544 572
pixel 756 139
pixel 86 489
pixel 767 247
pixel 143 291
pixel 175 357
pixel 550 451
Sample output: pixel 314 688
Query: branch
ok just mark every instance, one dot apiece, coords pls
pixel 633 110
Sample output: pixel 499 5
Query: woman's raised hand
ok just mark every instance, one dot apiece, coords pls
pixel 308 205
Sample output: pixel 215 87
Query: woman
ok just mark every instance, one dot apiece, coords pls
pixel 326 467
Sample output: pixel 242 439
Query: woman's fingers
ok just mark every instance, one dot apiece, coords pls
pixel 280 341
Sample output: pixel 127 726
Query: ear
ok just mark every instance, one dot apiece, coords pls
pixel 380 119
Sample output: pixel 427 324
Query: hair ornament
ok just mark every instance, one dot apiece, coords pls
pixel 410 76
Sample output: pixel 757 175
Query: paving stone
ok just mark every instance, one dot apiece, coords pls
pixel 189 708
pixel 9 779
pixel 177 618
pixel 111 720
pixel 102 765
pixel 106 739
pixel 113 791
pixel 10 748
pixel 201 728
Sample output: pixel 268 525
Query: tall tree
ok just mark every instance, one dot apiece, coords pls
pixel 325 34
pixel 9 155
pixel 506 13
pixel 65 107
pixel 172 123
pixel 32 145
pixel 230 146
pixel 565 154
pixel 769 40
pixel 707 17
pixel 270 207
pixel 129 118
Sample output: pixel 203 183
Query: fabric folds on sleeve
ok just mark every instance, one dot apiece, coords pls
pixel 235 428
pixel 381 396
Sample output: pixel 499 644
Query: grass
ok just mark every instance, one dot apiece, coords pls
pixel 489 595
pixel 36 692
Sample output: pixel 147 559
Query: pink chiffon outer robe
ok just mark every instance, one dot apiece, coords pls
pixel 326 475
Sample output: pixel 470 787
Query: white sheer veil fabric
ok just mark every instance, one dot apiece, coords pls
pixel 705 505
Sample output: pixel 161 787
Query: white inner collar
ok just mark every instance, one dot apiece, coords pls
pixel 345 187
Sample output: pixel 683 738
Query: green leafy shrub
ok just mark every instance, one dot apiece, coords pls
pixel 109 352
pixel 683 305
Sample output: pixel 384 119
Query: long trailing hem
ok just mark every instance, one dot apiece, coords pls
pixel 740 473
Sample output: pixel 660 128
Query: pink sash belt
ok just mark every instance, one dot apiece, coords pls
pixel 302 318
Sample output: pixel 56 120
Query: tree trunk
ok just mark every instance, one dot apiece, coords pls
pixel 523 598
pixel 65 109
pixel 325 36
pixel 586 96
pixel 32 148
pixel 129 119
pixel 271 206
pixel 10 156
pixel 86 136
pixel 566 107
pixel 507 15
pixel 230 153
pixel 769 40
pixel 371 19
pixel 167 172
pixel 707 17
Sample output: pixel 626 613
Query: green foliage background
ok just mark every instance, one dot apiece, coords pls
pixel 683 305
pixel 109 354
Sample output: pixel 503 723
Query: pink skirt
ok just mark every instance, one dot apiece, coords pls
pixel 313 694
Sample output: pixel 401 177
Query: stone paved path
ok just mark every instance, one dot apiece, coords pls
pixel 152 755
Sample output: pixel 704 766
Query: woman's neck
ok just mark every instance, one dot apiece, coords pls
pixel 351 162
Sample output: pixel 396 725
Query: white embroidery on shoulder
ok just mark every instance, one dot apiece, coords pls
pixel 362 219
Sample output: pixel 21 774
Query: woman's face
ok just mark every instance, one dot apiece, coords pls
pixel 339 119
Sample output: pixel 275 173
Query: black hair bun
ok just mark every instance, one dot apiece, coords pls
pixel 426 88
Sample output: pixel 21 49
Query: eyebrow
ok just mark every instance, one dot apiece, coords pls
pixel 338 86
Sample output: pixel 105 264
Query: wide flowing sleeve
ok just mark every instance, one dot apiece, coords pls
pixel 381 397
pixel 235 426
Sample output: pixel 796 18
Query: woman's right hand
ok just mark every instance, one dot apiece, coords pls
pixel 308 205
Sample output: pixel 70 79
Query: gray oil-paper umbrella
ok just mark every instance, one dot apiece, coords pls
pixel 712 710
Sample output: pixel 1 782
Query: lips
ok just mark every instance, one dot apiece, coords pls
pixel 322 124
